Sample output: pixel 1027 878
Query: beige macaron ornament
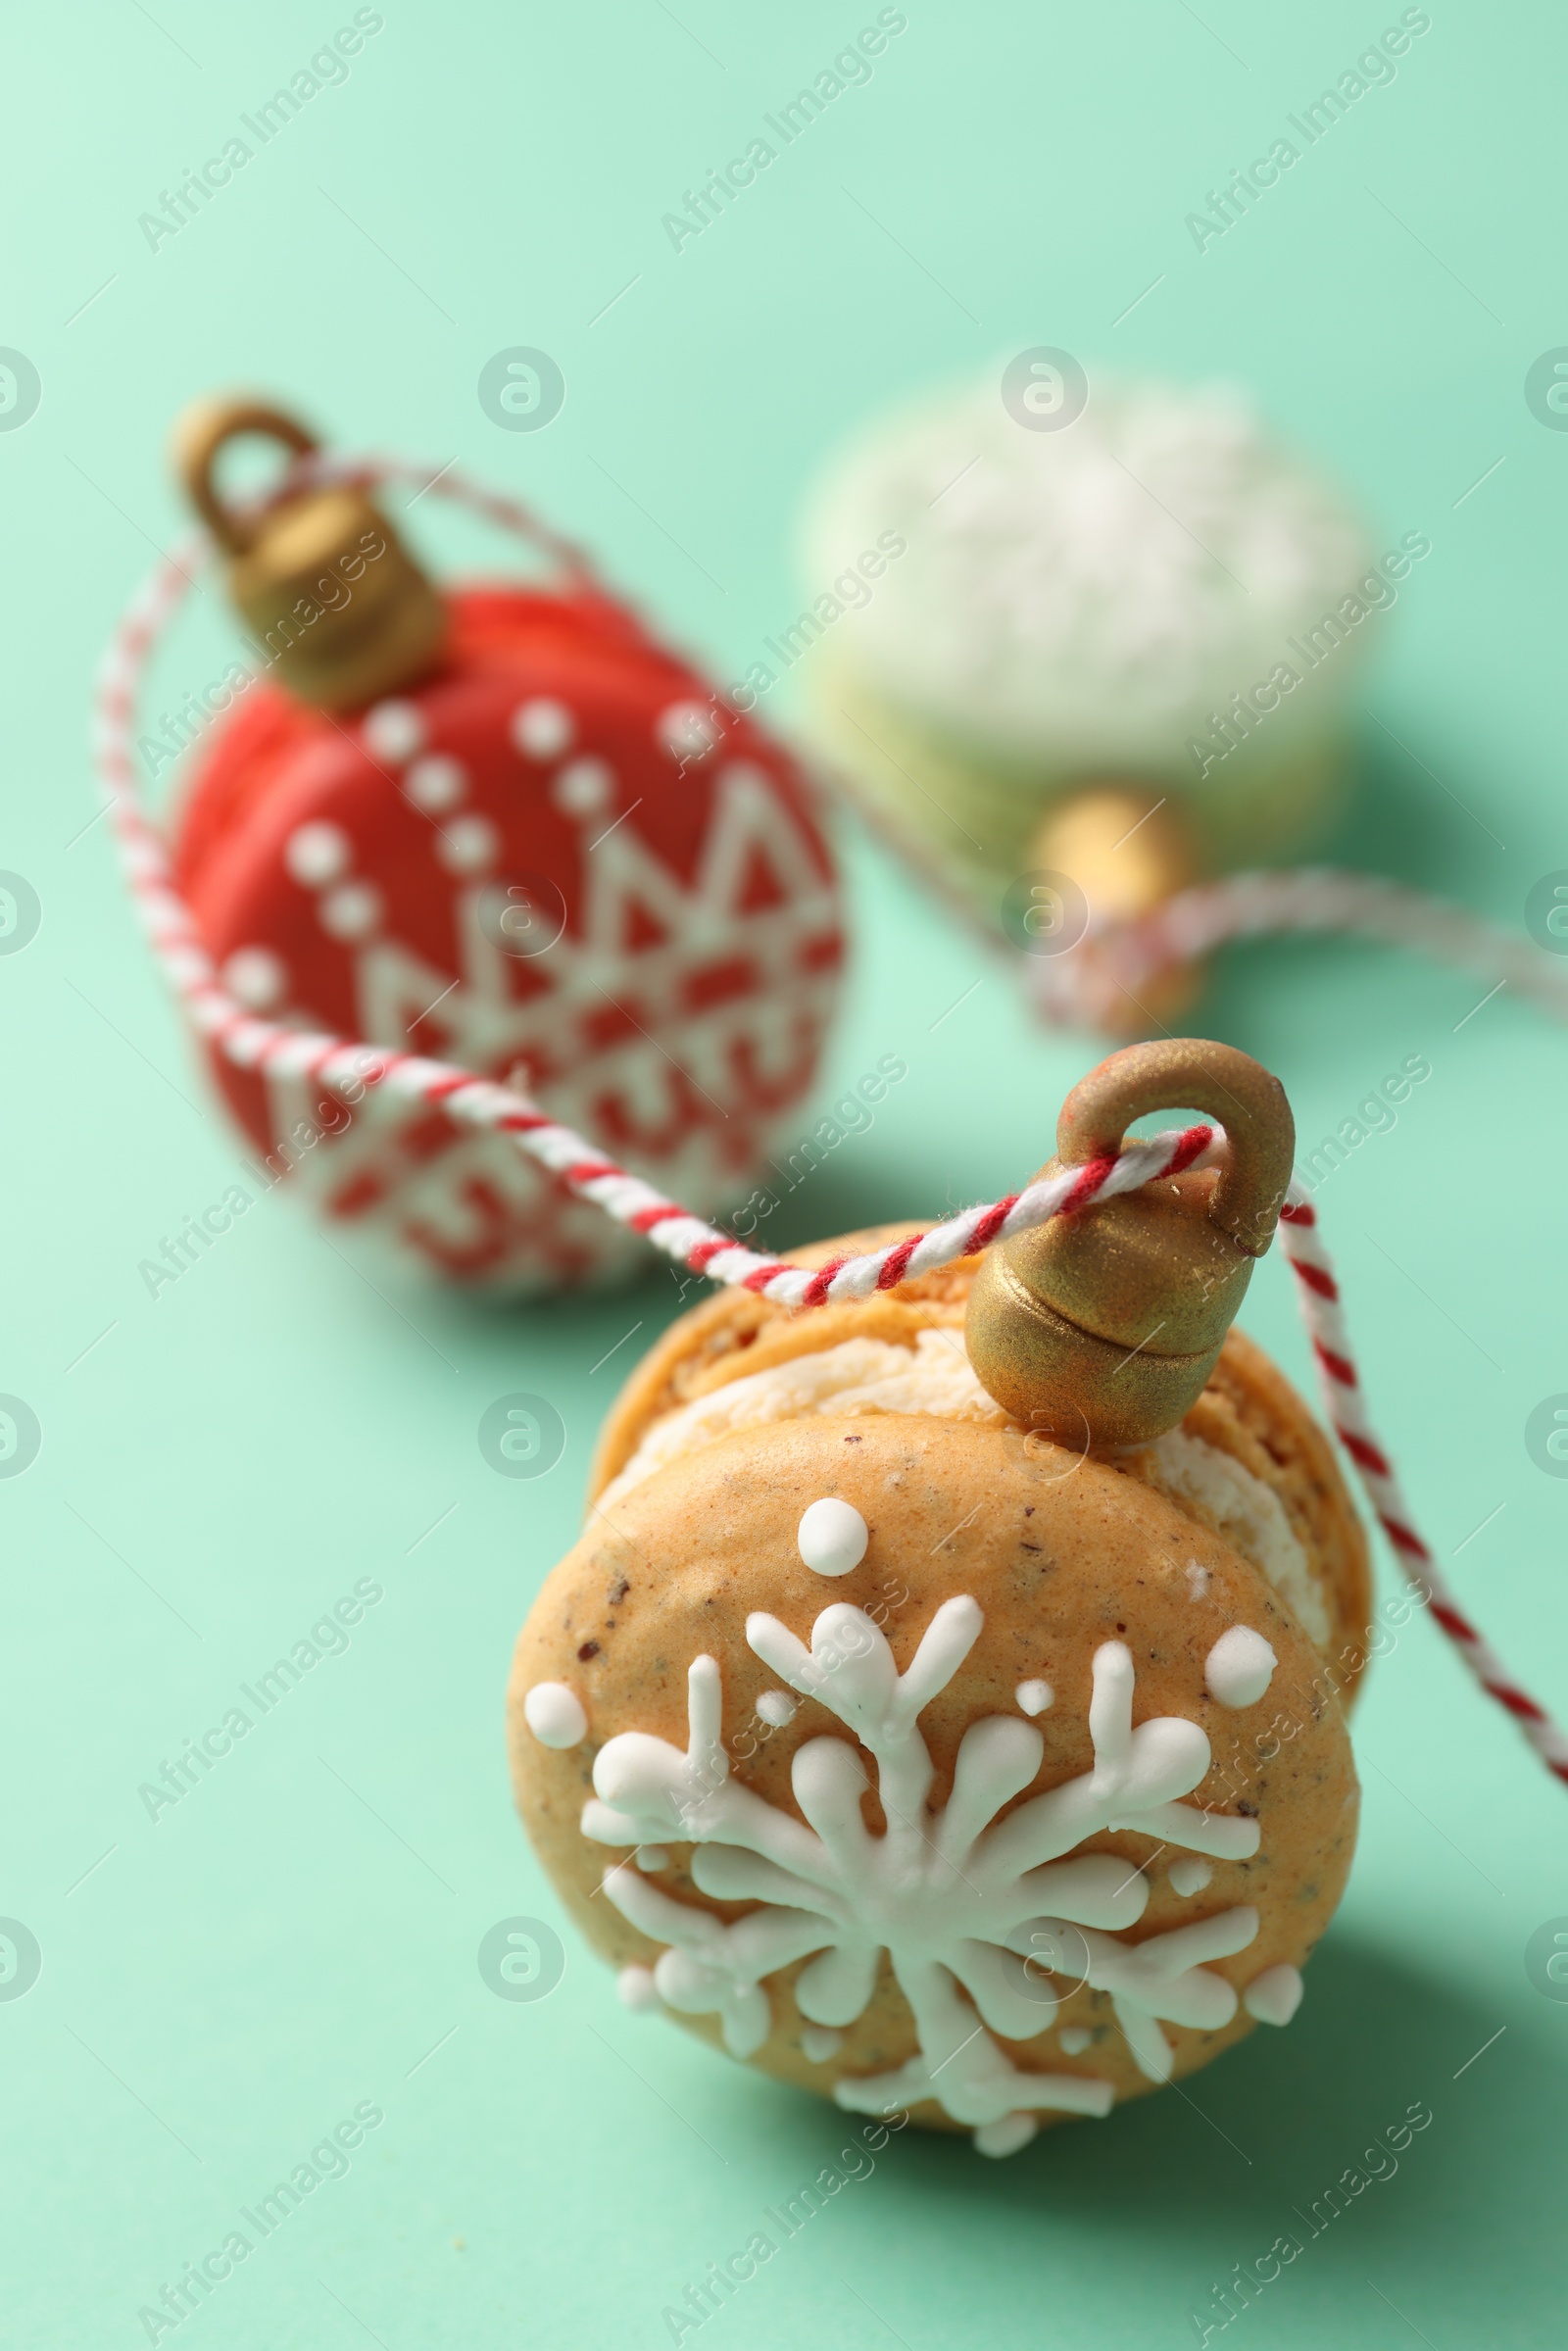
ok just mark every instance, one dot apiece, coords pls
pixel 937 1711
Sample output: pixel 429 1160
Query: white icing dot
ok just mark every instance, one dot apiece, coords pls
pixel 394 730
pixel 652 1857
pixel 637 1989
pixel 468 845
pixel 255 976
pixel 1074 2039
pixel 583 788
pixel 437 782
pixel 777 1707
pixel 555 1715
pixel 1015 2131
pixel 351 910
pixel 542 728
pixel 318 852
pixel 686 730
pixel 1197 1579
pixel 820 2042
pixel 1274 1996
pixel 1238 1667
pixel 832 1537
pixel 1033 1696
pixel 1189 1877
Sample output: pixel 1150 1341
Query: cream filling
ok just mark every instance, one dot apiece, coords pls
pixel 859 1375
pixel 1248 1515
pixel 934 1377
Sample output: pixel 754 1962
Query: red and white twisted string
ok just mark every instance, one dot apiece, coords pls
pixel 1318 1296
pixel 346 1066
pixel 1086 986
pixel 1089 984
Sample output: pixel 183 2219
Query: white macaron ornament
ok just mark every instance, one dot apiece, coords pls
pixel 1118 651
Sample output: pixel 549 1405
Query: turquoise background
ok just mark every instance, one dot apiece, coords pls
pixel 218 1989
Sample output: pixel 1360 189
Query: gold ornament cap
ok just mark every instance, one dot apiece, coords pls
pixel 1129 848
pixel 1100 1328
pixel 320 577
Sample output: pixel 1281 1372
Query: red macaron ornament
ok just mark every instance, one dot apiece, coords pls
pixel 504 829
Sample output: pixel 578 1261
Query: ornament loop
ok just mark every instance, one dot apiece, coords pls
pixel 202 432
pixel 1113 1315
pixel 1193 1073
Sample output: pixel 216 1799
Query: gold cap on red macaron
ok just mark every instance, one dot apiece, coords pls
pixel 320 577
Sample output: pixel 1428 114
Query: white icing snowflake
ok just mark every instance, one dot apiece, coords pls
pixel 964 1904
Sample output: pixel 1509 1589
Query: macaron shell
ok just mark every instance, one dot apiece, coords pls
pixel 1062 1556
pixel 682 1017
pixel 1276 793
pixel 1249 1410
pixel 1089 592
pixel 1078 604
pixel 490 630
